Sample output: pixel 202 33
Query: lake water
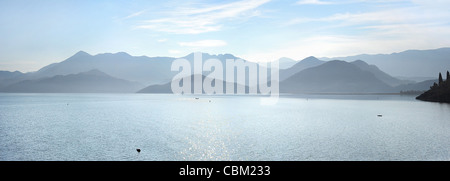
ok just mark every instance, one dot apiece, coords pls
pixel 174 127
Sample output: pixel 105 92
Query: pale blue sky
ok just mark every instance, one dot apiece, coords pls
pixel 36 33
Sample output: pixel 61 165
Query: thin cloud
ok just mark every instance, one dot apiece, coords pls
pixel 420 11
pixel 315 2
pixel 411 15
pixel 420 25
pixel 196 20
pixel 204 43
pixel 133 15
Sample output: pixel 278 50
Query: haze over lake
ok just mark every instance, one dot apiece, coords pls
pixel 175 127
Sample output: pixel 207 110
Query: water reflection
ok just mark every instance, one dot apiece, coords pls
pixel 169 127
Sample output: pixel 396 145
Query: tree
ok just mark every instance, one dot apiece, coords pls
pixel 439 92
pixel 434 86
pixel 448 76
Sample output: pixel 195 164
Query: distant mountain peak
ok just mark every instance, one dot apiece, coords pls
pixel 81 53
pixel 386 78
pixel 227 56
pixel 94 72
pixel 122 54
pixel 308 62
pixel 333 77
pixel 118 54
pixel 285 59
pixel 208 56
pixel 337 62
pixel 78 56
pixel 310 58
pixel 359 62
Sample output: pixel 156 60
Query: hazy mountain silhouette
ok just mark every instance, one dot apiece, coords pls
pixel 285 63
pixel 8 75
pixel 415 79
pixel 386 78
pixel 307 75
pixel 299 66
pixel 334 77
pixel 206 56
pixel 146 70
pixel 157 89
pixel 93 81
pixel 411 63
pixel 121 65
pixel 166 88
pixel 420 86
pixel 223 58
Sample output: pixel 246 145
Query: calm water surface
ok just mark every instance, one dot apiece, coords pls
pixel 172 127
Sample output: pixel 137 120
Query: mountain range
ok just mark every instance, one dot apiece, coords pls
pixel 146 70
pixel 410 63
pixel 334 77
pixel 121 72
pixel 166 88
pixel 93 81
pixel 301 65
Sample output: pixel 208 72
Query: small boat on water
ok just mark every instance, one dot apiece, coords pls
pixel 379 115
pixel 196 98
